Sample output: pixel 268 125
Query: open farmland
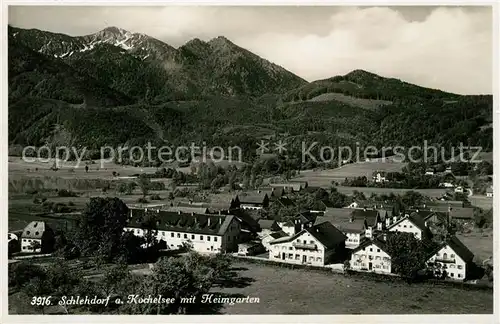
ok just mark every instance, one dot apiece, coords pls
pixel 294 291
pixel 323 178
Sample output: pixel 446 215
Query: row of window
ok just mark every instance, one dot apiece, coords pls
pixel 290 248
pixel 211 248
pixel 410 226
pixel 185 236
pixel 371 249
pixel 352 240
pixel 376 266
pixel 445 255
pixel 298 257
pixel 362 256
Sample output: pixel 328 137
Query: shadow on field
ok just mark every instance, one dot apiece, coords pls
pixel 234 280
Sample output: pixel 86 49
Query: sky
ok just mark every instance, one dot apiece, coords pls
pixel 449 48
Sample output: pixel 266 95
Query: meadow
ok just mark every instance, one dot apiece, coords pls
pixel 297 291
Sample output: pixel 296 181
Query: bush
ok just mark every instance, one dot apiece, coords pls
pixel 66 193
pixel 155 197
pixel 142 200
pixel 31 191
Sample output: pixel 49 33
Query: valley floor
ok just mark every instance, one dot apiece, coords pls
pixel 295 291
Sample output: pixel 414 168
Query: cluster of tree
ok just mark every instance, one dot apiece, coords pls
pixel 186 276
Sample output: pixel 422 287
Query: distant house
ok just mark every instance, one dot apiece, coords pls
pixel 250 248
pixel 459 189
pixel 257 200
pixel 268 225
pixel 188 209
pixel 446 185
pixel 461 213
pixel 429 171
pixel 453 257
pixel 448 169
pixel 12 236
pixel 489 192
pixel 267 238
pixel 317 245
pixel 371 255
pixel 290 187
pixel 37 237
pixel 354 224
pixel 380 176
pixel 414 224
pixel 274 192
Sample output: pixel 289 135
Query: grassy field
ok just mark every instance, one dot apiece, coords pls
pixel 292 291
pixel 480 243
pixel 323 178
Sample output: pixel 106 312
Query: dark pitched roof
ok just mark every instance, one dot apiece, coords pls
pixel 253 198
pixel 341 218
pixel 325 233
pixel 371 216
pixel 182 222
pixel 379 242
pixel 277 235
pixel 285 202
pixel 246 217
pixel 269 224
pixel 188 209
pixel 35 230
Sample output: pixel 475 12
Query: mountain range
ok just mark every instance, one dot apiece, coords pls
pixel 114 87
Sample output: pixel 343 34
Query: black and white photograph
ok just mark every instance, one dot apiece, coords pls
pixel 170 159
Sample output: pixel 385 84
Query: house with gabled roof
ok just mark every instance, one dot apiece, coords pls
pixel 316 245
pixel 204 233
pixel 254 200
pixel 414 224
pixel 489 192
pixel 371 255
pixel 452 258
pixel 37 237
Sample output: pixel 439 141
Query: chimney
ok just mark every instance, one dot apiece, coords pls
pixel 158 210
pixel 258 191
pixel 146 210
pixel 425 223
pixel 209 221
pixel 417 210
pixel 364 209
pixel 220 220
pixel 192 214
pixel 179 212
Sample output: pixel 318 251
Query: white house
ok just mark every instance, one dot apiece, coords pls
pixel 412 223
pixel 317 245
pixel 36 237
pixel 446 185
pixel 489 192
pixel 371 255
pixel 257 200
pixel 459 189
pixel 429 172
pixel 380 177
pixel 266 239
pixel 204 233
pixel 453 257
pixel 12 236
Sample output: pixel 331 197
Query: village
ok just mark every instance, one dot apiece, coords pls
pixel 272 223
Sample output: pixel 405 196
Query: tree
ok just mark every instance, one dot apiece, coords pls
pixel 144 183
pixel 408 254
pixel 100 227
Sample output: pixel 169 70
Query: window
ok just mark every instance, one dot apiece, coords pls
pixel 24 247
pixel 460 266
pixel 318 259
pixel 377 258
pixel 452 266
pixel 208 238
pixel 215 238
pixel 178 235
pixel 290 248
pixel 363 249
pixel 297 256
pixel 201 237
pixel 312 242
pixel 185 236
pixel 162 233
pixel 371 250
pixel 459 275
pixel 411 226
pixel 445 256
pixel 378 250
pixel 172 234
pixel 192 237
pixel 290 255
pixel 452 256
pixel 404 226
pixel 452 274
pixel 311 259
